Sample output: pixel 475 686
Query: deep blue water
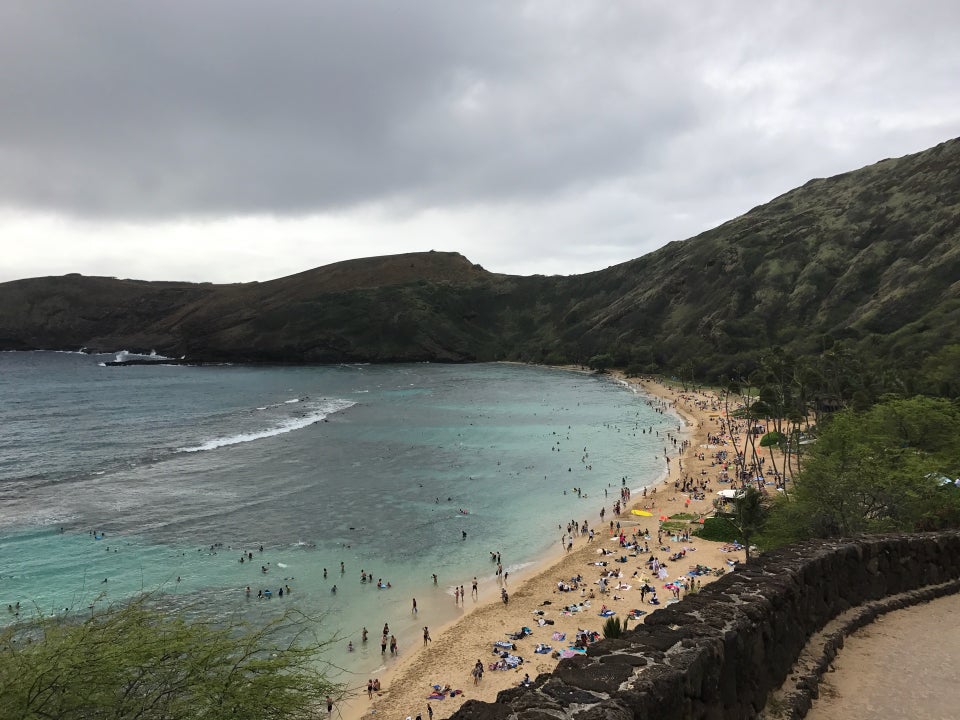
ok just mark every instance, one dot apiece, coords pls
pixel 182 469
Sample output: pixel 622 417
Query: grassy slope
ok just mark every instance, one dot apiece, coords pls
pixel 871 256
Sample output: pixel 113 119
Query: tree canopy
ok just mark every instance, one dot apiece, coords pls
pixel 887 468
pixel 748 516
pixel 136 661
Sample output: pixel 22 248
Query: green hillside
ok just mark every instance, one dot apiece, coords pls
pixel 869 259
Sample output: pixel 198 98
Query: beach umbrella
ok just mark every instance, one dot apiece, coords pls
pixel 663 518
pixel 642 513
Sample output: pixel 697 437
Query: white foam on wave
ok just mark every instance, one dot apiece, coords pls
pixel 517 567
pixel 124 355
pixel 291 401
pixel 322 410
pixel 628 385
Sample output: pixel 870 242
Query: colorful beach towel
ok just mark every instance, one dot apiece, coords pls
pixel 607 613
pixel 559 636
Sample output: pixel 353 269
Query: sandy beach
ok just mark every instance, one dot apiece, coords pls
pixel 453 651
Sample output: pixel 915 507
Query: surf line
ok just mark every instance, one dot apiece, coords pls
pixel 298 423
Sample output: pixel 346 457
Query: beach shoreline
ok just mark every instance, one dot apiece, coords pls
pixel 459 644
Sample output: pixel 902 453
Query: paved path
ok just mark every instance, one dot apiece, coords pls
pixel 904 665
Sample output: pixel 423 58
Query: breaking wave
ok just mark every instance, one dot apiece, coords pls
pixel 317 412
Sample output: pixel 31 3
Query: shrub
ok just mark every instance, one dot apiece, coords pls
pixel 614 627
pixel 718 529
pixel 135 661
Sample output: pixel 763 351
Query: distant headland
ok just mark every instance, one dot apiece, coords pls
pixel 866 260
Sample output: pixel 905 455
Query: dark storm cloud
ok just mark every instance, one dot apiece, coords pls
pixel 220 107
pixel 537 136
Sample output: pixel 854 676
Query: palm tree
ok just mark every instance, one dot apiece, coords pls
pixel 773 439
pixel 614 627
pixel 750 512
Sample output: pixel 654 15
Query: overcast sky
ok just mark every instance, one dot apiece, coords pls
pixel 245 140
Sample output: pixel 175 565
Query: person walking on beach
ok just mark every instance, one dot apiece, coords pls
pixel 393 645
pixel 477 672
pixel 414 606
pixel 426 636
pixel 474 591
pixel 429 711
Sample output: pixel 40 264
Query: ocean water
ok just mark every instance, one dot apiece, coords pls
pixel 115 480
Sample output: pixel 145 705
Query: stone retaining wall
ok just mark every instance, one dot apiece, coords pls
pixel 717 654
pixel 795 698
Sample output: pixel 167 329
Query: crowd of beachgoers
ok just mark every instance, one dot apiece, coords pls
pixel 637 553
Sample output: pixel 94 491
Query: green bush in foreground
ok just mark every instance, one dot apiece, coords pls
pixel 614 627
pixel 133 661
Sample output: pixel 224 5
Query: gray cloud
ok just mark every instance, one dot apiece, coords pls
pixel 655 120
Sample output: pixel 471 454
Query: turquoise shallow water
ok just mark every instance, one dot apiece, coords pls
pixel 181 470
